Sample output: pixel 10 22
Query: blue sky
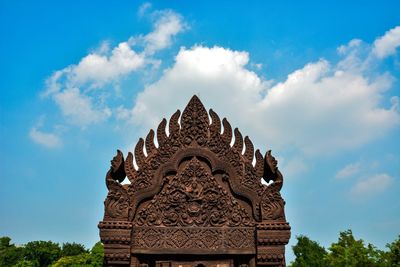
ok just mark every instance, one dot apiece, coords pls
pixel 316 82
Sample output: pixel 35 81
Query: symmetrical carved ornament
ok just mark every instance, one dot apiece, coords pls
pixel 201 240
pixel 193 197
pixel 194 194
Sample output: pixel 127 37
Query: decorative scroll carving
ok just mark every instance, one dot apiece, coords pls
pixel 195 192
pixel 193 198
pixel 195 131
pixel 207 239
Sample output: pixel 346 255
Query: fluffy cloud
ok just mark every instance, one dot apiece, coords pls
pixel 295 167
pixel 348 170
pixel 167 26
pixel 144 8
pixel 48 140
pixel 79 108
pixel 387 44
pixel 372 185
pixel 320 108
pixel 215 74
pixel 77 89
pixel 99 69
pixel 96 69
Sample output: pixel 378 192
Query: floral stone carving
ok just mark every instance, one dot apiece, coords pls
pixel 194 194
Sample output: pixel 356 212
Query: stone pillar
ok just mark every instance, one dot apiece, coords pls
pixel 116 237
pixel 272 236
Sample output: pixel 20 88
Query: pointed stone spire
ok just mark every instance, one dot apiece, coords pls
pixel 194 122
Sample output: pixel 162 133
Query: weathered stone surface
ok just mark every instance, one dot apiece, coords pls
pixel 194 195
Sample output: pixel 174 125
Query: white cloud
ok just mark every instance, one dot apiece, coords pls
pixel 388 43
pixel 70 87
pixel 258 66
pixel 348 170
pixel 96 69
pixel 373 185
pixel 214 73
pixel 48 140
pixel 78 89
pixel 79 109
pixel 294 167
pixel 99 69
pixel 167 25
pixel 319 109
pixel 122 113
pixel 144 8
pixel 344 49
pixel 355 56
pixel 53 83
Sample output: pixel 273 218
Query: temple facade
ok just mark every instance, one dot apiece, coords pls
pixel 194 200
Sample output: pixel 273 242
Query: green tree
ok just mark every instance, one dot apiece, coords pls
pixel 9 253
pixel 308 253
pixel 350 252
pixel 72 249
pixel 25 263
pixel 92 259
pixel 42 253
pixel 82 260
pixel 97 255
pixel 4 242
pixel 392 257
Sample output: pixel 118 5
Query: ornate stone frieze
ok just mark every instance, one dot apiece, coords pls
pixel 204 240
pixel 193 197
pixel 194 193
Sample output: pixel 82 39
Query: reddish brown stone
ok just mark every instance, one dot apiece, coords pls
pixel 194 200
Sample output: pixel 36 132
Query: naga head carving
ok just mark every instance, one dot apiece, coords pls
pixel 117 171
pixel 270 167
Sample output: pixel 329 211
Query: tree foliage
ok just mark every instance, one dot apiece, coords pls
pixel 92 259
pixel 392 257
pixel 9 253
pixel 82 260
pixel 97 254
pixel 42 253
pixel 347 252
pixel 72 249
pixel 308 253
pixel 47 253
pixel 25 263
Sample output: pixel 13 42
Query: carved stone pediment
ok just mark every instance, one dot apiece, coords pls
pixel 193 197
pixel 194 194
